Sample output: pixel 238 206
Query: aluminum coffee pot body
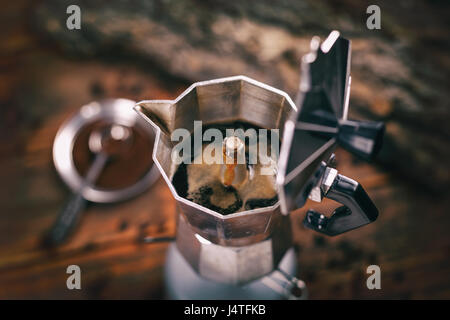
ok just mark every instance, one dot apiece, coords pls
pixel 228 248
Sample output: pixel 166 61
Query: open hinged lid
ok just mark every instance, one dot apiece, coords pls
pixel 321 122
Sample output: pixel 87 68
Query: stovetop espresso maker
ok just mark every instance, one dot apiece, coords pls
pixel 248 254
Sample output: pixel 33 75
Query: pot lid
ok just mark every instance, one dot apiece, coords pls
pixel 311 135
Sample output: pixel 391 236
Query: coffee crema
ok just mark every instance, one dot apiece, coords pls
pixel 215 187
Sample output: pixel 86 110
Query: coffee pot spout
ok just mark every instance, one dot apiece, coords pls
pixel 160 113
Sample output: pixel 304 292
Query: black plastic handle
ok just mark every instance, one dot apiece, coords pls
pixel 66 221
pixel 362 138
pixel 358 209
pixel 71 212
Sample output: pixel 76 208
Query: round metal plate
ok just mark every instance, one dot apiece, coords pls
pixel 118 111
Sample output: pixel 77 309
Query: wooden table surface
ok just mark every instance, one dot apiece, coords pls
pixel 39 89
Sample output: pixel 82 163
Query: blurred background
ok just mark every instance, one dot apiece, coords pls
pixel 154 50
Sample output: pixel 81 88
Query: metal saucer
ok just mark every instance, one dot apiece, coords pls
pixel 118 111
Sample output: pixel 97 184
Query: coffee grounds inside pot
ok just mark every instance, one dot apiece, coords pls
pixel 180 181
pixel 226 198
pixel 251 204
pixel 201 184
